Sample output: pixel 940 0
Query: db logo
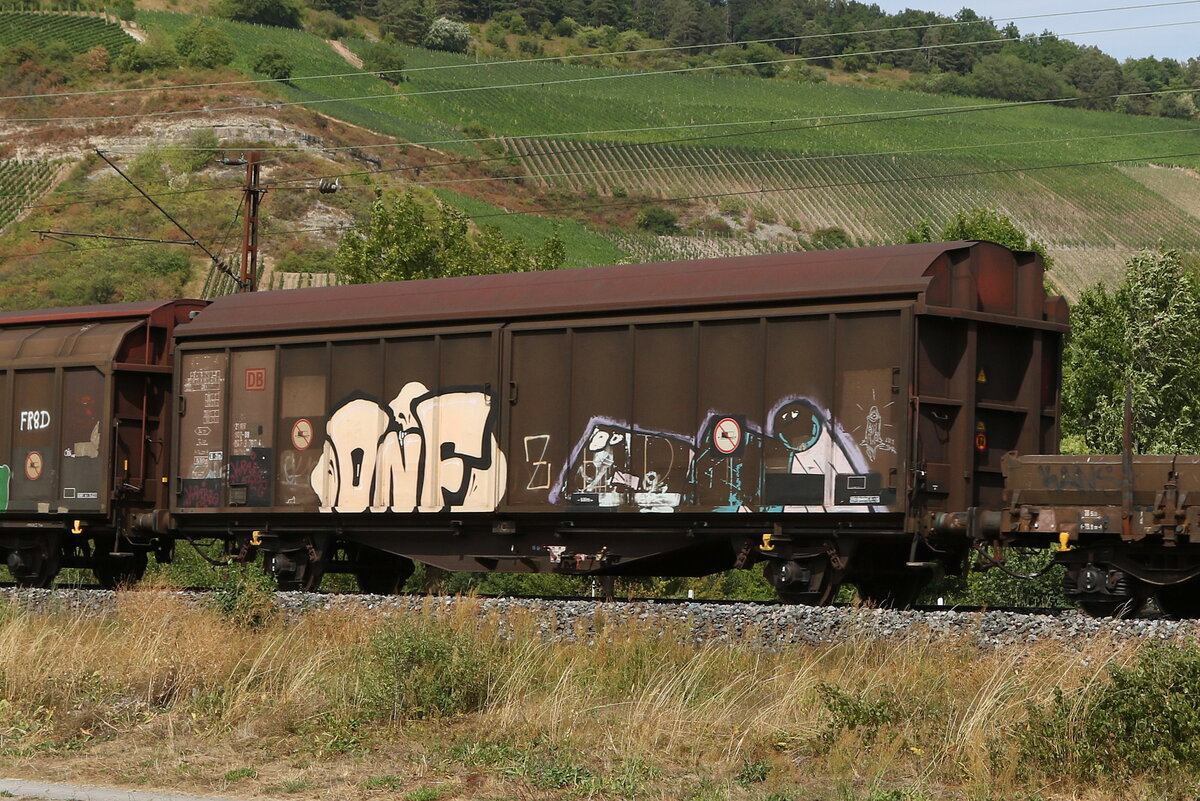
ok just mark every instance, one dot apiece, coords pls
pixel 256 379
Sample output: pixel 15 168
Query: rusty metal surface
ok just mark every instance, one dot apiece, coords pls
pixel 774 384
pixel 83 399
pixel 857 274
pixel 1096 479
pixel 110 311
pixel 1088 497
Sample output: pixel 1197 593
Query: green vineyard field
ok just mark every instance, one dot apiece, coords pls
pixel 80 33
pixel 20 182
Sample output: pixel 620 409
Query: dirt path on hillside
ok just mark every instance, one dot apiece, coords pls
pixel 345 53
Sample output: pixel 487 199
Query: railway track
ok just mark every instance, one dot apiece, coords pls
pixel 750 624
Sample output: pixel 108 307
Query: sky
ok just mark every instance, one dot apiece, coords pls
pixel 1177 41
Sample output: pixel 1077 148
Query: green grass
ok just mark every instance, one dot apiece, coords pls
pixel 79 33
pixel 386 112
pixel 1091 217
pixel 584 246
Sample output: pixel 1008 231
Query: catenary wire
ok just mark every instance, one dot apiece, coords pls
pixel 831 34
pixel 846 119
pixel 750 162
pixel 770 190
pixel 587 79
pixel 704 196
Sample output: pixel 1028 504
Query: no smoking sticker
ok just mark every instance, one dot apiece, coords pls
pixel 33 466
pixel 727 435
pixel 302 434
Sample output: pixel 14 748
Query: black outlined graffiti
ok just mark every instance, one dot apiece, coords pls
pixel 424 451
pixel 789 465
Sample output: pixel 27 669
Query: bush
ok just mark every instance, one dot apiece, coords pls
pixel 1140 720
pixel 283 13
pixel 716 226
pixel 423 669
pixel 201 148
pixel 530 47
pixel 245 596
pixel 329 25
pixel 95 60
pixel 566 27
pixel 448 35
pixel 831 238
pixel 384 59
pixel 515 23
pixel 274 63
pixel 199 44
pixel 496 35
pixel 155 53
pixel 731 206
pixel 657 220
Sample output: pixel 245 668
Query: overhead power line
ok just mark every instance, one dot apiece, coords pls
pixel 580 56
pixel 586 79
pixel 773 160
pixel 853 118
pixel 772 190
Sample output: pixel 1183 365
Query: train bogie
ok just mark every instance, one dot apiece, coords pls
pixel 806 411
pixel 84 433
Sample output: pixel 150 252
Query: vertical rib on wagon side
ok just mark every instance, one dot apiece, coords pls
pixel 809 411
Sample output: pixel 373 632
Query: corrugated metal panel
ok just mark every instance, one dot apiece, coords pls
pixel 781 277
pixel 58 342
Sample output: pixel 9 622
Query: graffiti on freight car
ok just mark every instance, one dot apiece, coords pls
pixel 423 451
pixel 798 462
pixel 535 456
pixel 5 482
pixel 874 437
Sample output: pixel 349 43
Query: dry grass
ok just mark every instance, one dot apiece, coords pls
pixel 166 694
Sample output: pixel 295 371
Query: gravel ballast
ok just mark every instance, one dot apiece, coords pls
pixel 765 625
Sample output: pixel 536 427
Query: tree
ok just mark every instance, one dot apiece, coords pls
pixel 448 35
pixel 407 21
pixel 984 224
pixel 1147 333
pixel 1009 78
pixel 1097 76
pixel 283 13
pixel 274 63
pixel 202 45
pixel 401 240
pixel 384 59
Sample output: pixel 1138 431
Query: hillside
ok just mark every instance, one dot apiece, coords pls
pixel 748 164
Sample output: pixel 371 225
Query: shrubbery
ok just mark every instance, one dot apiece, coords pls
pixel 1138 720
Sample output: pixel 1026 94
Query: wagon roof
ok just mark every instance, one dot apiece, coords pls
pixel 110 311
pixel 898 270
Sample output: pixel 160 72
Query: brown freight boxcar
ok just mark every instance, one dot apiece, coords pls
pixel 811 411
pixel 84 395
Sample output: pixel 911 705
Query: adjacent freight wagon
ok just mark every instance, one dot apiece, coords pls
pixel 812 412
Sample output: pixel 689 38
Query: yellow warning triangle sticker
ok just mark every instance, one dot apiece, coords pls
pixel 981 378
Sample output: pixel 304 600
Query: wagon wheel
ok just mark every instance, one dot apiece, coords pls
pixel 381 573
pixel 819 590
pixel 294 571
pixel 36 566
pixel 118 571
pixel 1179 600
